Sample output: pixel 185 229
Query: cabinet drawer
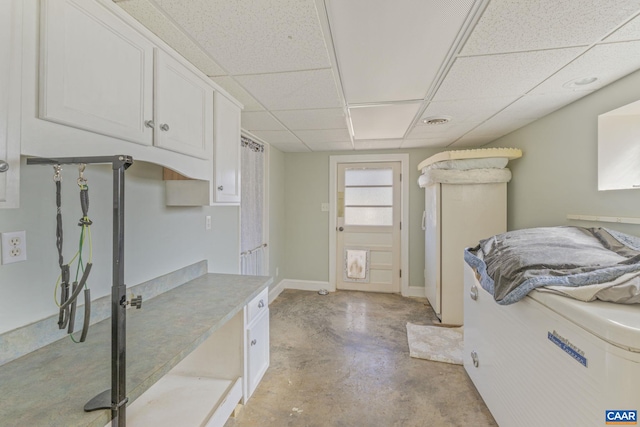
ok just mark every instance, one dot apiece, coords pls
pixel 258 305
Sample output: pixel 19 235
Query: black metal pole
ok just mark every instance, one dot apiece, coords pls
pixel 118 308
pixel 116 398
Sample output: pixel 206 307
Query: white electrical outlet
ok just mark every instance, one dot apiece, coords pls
pixel 14 246
pixel 207 222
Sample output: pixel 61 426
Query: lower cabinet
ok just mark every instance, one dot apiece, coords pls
pixel 206 386
pixel 256 342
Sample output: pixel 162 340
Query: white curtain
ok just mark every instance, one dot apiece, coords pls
pixel 251 207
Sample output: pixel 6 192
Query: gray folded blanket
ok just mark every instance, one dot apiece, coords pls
pixel 511 264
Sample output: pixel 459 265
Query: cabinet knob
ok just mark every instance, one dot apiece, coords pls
pixel 164 127
pixel 261 304
pixel 220 188
pixel 4 166
pixel 474 292
pixel 253 342
pixel 474 357
pixel 150 124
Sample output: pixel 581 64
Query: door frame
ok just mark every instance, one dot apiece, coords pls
pixel 403 158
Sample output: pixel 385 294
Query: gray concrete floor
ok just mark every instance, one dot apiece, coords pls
pixel 342 360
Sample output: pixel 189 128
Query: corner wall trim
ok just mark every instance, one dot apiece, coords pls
pixel 276 291
pixel 304 285
pixel 414 291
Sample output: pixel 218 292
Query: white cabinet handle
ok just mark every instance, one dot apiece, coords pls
pixel 474 292
pixel 164 127
pixel 474 357
pixel 150 124
pixel 4 166
pixel 261 304
pixel 424 217
pixel 253 342
pixel 220 188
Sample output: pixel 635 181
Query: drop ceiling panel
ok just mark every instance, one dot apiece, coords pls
pixel 330 146
pixel 426 142
pixel 290 91
pixel 382 121
pixel 260 120
pixel 630 31
pixel 321 136
pixel 152 18
pixel 524 25
pixel 608 62
pixel 248 37
pixel 291 147
pixel 468 110
pixel 536 106
pixel 451 130
pixel 495 128
pixel 378 144
pixel 277 136
pixel 501 75
pixel 391 50
pixel 328 118
pixel 471 141
pixel 239 93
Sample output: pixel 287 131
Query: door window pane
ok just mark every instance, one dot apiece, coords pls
pixel 368 196
pixel 368 216
pixel 368 177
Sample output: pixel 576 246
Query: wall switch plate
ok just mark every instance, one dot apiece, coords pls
pixel 207 222
pixel 324 207
pixel 14 246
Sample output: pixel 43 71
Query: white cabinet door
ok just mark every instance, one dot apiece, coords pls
pixel 10 67
pixel 96 71
pixel 257 352
pixel 226 153
pixel 183 108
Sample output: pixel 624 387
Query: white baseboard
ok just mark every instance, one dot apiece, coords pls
pixel 305 285
pixel 276 290
pixel 414 291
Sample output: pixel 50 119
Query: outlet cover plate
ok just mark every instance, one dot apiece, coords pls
pixel 14 246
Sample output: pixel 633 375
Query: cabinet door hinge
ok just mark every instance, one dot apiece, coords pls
pixel 400 225
pixel 400 273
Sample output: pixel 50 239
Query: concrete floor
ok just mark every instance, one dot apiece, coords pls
pixel 343 360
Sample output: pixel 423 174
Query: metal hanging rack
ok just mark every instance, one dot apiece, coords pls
pixel 114 399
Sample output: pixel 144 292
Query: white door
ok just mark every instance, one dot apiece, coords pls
pixel 368 227
pixel 184 109
pixel 97 71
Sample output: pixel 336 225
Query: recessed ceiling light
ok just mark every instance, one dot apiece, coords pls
pixel 436 120
pixel 579 82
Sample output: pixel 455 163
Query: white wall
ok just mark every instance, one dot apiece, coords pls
pixel 158 239
pixel 558 173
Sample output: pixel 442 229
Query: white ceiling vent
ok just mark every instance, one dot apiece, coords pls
pixel 436 120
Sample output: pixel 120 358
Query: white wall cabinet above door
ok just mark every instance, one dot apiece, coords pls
pixel 10 72
pixel 226 151
pixel 183 108
pixel 96 71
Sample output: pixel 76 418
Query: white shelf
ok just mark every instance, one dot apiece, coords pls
pixel 181 400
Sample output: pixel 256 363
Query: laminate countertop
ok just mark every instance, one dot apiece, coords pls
pixel 50 386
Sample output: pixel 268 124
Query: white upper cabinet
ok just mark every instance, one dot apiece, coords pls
pixel 226 150
pixel 10 66
pixel 96 71
pixel 183 108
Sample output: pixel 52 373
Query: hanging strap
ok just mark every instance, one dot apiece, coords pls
pixel 63 316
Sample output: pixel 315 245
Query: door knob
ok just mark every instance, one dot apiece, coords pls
pixel 164 127
pixel 4 166
pixel 341 229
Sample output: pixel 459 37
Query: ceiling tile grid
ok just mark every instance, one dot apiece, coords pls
pixel 607 62
pixel 426 142
pixel 277 136
pixel 290 147
pixel 327 135
pixel 525 25
pixel 238 92
pixel 501 75
pixel 378 144
pixel 382 121
pixel 451 130
pixel 629 31
pixel 467 110
pixel 328 118
pixel 260 120
pixel 249 37
pixel 296 90
pixel 330 146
